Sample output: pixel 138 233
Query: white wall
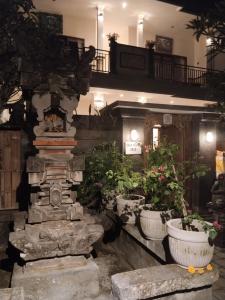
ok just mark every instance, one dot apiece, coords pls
pixel 183 45
pixel 80 28
pixel 200 58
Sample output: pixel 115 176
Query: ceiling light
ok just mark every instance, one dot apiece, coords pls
pixel 124 4
pixel 99 101
pixel 121 95
pixel 142 100
pixel 171 102
pixel 179 8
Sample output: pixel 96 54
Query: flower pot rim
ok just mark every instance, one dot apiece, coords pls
pixel 139 197
pixel 185 235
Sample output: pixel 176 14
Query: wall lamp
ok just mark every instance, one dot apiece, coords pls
pixel 210 137
pixel 134 135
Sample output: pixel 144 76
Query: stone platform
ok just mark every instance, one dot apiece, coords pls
pixel 66 278
pixel 55 238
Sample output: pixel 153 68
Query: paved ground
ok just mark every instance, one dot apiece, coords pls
pixel 219 287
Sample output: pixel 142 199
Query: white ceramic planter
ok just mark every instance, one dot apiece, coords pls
pixel 152 225
pixel 131 201
pixel 189 248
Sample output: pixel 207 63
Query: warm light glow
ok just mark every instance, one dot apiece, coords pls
pixel 134 136
pixel 121 95
pixel 208 42
pixel 155 137
pixel 140 21
pixel 142 100
pixel 210 137
pixel 4 116
pixel 179 8
pixel 171 102
pixel 124 4
pixel 99 101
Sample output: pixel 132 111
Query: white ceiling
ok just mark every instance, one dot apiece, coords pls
pixel 111 95
pixel 157 14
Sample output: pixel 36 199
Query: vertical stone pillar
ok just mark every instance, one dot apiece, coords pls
pixel 140 31
pixel 100 27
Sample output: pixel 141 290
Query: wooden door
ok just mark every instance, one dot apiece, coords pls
pixel 10 168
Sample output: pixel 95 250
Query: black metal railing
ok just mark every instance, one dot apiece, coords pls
pixel 157 70
pixel 101 61
pixel 181 73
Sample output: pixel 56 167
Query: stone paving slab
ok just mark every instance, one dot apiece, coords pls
pixel 161 280
pixel 12 294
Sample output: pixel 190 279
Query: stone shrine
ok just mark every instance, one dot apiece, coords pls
pixel 57 226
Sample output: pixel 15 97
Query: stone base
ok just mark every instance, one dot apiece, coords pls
pixel 16 293
pixel 168 282
pixel 67 278
pixel 55 238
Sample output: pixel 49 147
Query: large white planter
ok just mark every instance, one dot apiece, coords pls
pixel 189 248
pixel 129 203
pixel 152 225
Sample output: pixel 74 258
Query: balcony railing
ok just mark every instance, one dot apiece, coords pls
pixel 125 59
pixel 180 73
pixel 101 61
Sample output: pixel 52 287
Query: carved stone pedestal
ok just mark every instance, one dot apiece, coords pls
pixel 57 225
pixel 73 278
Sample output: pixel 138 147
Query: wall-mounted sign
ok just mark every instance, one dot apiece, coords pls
pixel 133 148
pixel 167 119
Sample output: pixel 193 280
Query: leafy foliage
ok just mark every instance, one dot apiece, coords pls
pixel 107 170
pixel 211 24
pixel 211 229
pixel 165 177
pixel 19 37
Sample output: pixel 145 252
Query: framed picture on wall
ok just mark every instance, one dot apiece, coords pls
pixel 163 44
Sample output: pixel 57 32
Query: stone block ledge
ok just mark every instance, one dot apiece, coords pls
pixel 16 293
pixel 155 246
pixel 160 281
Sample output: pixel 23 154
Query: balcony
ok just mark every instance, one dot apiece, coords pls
pixel 145 63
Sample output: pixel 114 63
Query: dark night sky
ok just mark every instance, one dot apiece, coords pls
pixel 193 6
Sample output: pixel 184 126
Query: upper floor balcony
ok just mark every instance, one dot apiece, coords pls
pixel 136 68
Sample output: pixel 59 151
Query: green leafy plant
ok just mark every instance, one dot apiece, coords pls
pixel 165 178
pixel 107 170
pixel 211 229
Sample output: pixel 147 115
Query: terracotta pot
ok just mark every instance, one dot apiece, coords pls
pixel 152 225
pixel 129 201
pixel 189 248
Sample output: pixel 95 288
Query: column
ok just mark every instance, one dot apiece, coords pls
pixel 100 27
pixel 140 30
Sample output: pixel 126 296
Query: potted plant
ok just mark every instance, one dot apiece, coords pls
pixel 190 237
pixel 165 183
pixel 191 240
pixel 129 188
pixel 161 189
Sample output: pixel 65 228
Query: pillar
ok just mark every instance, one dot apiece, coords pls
pixel 140 30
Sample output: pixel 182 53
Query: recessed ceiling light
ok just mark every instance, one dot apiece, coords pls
pixel 171 102
pixel 142 100
pixel 124 4
pixel 121 95
pixel 179 8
